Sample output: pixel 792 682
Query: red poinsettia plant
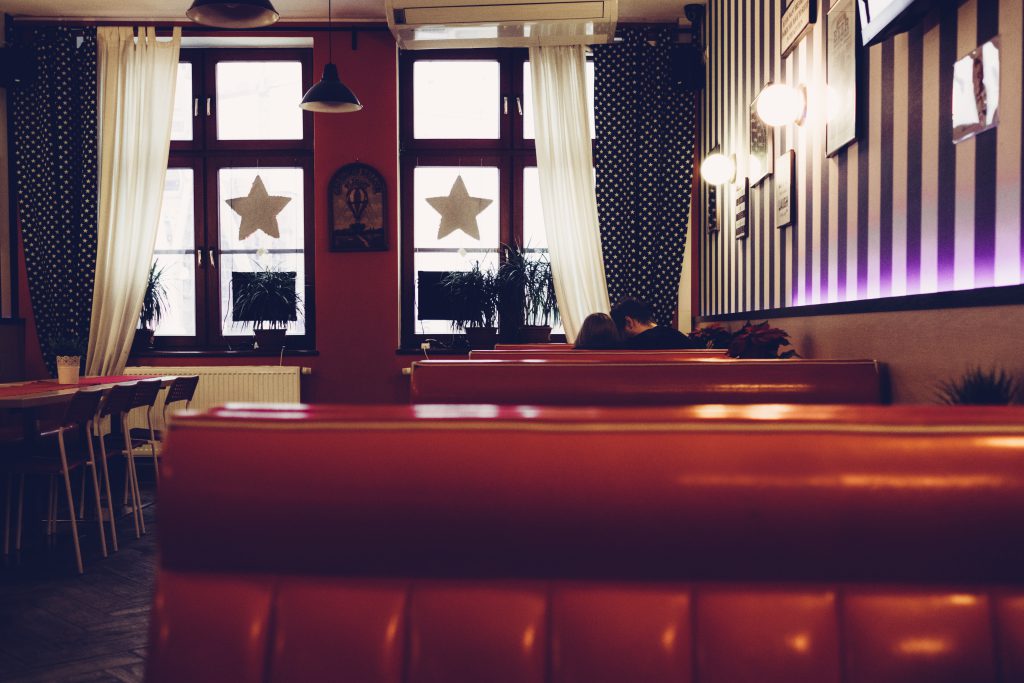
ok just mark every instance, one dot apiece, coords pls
pixel 760 341
pixel 711 337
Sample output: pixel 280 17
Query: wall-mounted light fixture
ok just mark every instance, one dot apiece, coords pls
pixel 717 168
pixel 779 104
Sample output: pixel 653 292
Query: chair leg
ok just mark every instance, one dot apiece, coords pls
pixel 110 494
pixel 152 444
pixel 81 497
pixel 91 465
pixel 133 480
pixel 50 513
pixel 7 516
pixel 71 499
pixel 21 508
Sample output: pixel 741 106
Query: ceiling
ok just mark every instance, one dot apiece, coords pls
pixel 291 10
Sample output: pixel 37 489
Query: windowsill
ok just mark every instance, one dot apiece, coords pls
pixel 221 353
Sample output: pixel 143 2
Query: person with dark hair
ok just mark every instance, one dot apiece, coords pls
pixel 598 331
pixel 636 324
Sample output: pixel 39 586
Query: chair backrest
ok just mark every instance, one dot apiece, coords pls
pixel 119 399
pixel 146 392
pixel 82 407
pixel 182 389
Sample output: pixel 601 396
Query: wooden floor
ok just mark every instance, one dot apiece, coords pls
pixel 58 626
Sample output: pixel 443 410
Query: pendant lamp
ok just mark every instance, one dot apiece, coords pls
pixel 233 14
pixel 330 95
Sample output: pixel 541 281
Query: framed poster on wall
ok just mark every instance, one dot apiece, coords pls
pixel 740 191
pixel 841 72
pixel 760 154
pixel 784 186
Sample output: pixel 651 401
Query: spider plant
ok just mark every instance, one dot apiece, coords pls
pixel 980 388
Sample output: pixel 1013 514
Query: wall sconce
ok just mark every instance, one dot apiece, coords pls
pixel 717 168
pixel 780 104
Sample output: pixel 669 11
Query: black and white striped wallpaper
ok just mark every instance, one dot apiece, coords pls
pixel 902 210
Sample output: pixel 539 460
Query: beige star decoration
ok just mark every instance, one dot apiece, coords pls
pixel 258 210
pixel 458 210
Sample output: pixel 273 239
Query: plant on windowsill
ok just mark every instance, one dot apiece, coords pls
pixel 266 297
pixel 68 349
pixel 978 387
pixel 528 286
pixel 760 341
pixel 474 296
pixel 154 304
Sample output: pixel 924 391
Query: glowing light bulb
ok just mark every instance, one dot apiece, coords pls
pixel 717 169
pixel 780 104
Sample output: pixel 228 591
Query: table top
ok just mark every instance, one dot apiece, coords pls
pixel 39 393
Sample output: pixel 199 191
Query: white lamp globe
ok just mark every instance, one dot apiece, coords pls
pixel 717 169
pixel 780 104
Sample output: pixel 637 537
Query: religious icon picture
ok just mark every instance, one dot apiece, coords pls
pixel 357 209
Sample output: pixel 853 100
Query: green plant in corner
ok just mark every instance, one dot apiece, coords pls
pixel 979 387
pixel 154 304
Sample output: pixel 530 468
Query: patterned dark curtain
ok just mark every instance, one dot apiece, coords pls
pixel 54 122
pixel 646 128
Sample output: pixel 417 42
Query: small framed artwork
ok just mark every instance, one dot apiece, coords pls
pixel 841 67
pixel 785 211
pixel 357 209
pixel 797 17
pixel 976 92
pixel 759 158
pixel 741 191
pixel 712 210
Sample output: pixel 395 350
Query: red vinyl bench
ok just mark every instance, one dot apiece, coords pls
pixel 707 544
pixel 552 382
pixel 618 355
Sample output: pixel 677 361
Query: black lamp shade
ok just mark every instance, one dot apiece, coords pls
pixel 233 14
pixel 330 95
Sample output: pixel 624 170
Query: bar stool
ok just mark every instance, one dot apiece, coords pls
pixel 181 389
pixel 35 454
pixel 116 407
pixel 146 393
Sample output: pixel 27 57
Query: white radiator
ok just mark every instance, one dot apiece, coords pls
pixel 225 384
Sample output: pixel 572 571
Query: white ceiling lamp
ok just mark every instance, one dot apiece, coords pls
pixel 780 104
pixel 717 168
pixel 330 95
pixel 236 14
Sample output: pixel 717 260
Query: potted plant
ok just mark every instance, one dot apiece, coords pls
pixel 267 298
pixel 711 337
pixel 979 387
pixel 528 286
pixel 68 349
pixel 760 341
pixel 474 294
pixel 154 303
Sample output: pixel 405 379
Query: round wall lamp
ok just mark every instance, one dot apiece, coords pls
pixel 236 14
pixel 780 104
pixel 717 168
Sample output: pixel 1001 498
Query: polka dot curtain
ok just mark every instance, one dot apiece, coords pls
pixel 54 124
pixel 646 128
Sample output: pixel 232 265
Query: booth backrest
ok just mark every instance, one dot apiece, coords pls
pixel 705 380
pixel 617 355
pixel 711 544
pixel 553 346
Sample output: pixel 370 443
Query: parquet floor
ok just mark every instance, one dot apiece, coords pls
pixel 57 626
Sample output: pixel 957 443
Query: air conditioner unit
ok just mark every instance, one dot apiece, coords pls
pixel 435 24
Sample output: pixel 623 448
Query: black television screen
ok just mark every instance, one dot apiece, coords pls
pixel 880 19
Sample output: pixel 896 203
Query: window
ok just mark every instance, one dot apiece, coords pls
pixel 236 120
pixel 469 115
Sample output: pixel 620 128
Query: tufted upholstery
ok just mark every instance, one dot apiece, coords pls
pixel 703 380
pixel 421 544
pixel 616 355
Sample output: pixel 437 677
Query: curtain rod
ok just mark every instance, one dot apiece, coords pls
pixel 193 28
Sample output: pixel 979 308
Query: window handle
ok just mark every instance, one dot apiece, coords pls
pixel 209 105
pixel 519 105
pixel 504 104
pixel 199 258
pixel 213 258
pixel 195 106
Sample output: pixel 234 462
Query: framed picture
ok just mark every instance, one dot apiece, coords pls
pixel 785 202
pixel 976 91
pixel 841 68
pixel 357 209
pixel 741 191
pixel 760 154
pixel 712 210
pixel 797 17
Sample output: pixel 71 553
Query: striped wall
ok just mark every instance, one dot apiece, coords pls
pixel 902 210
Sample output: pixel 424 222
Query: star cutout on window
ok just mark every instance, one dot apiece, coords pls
pixel 258 210
pixel 458 210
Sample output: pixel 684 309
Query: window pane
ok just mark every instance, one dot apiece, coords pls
pixel 175 254
pixel 528 126
pixel 181 123
pixel 259 101
pixel 259 249
pixel 456 99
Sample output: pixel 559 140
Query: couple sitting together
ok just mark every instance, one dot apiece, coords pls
pixel 631 325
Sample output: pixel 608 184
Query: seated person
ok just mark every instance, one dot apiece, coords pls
pixel 636 324
pixel 598 331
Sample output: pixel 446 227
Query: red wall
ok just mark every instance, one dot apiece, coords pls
pixel 356 294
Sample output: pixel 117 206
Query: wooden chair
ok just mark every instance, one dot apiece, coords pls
pixel 116 407
pixel 182 389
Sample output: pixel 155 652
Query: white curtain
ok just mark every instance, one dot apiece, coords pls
pixel 136 79
pixel 566 171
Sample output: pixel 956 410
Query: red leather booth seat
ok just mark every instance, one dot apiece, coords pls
pixel 711 544
pixel 553 346
pixel 702 380
pixel 569 354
